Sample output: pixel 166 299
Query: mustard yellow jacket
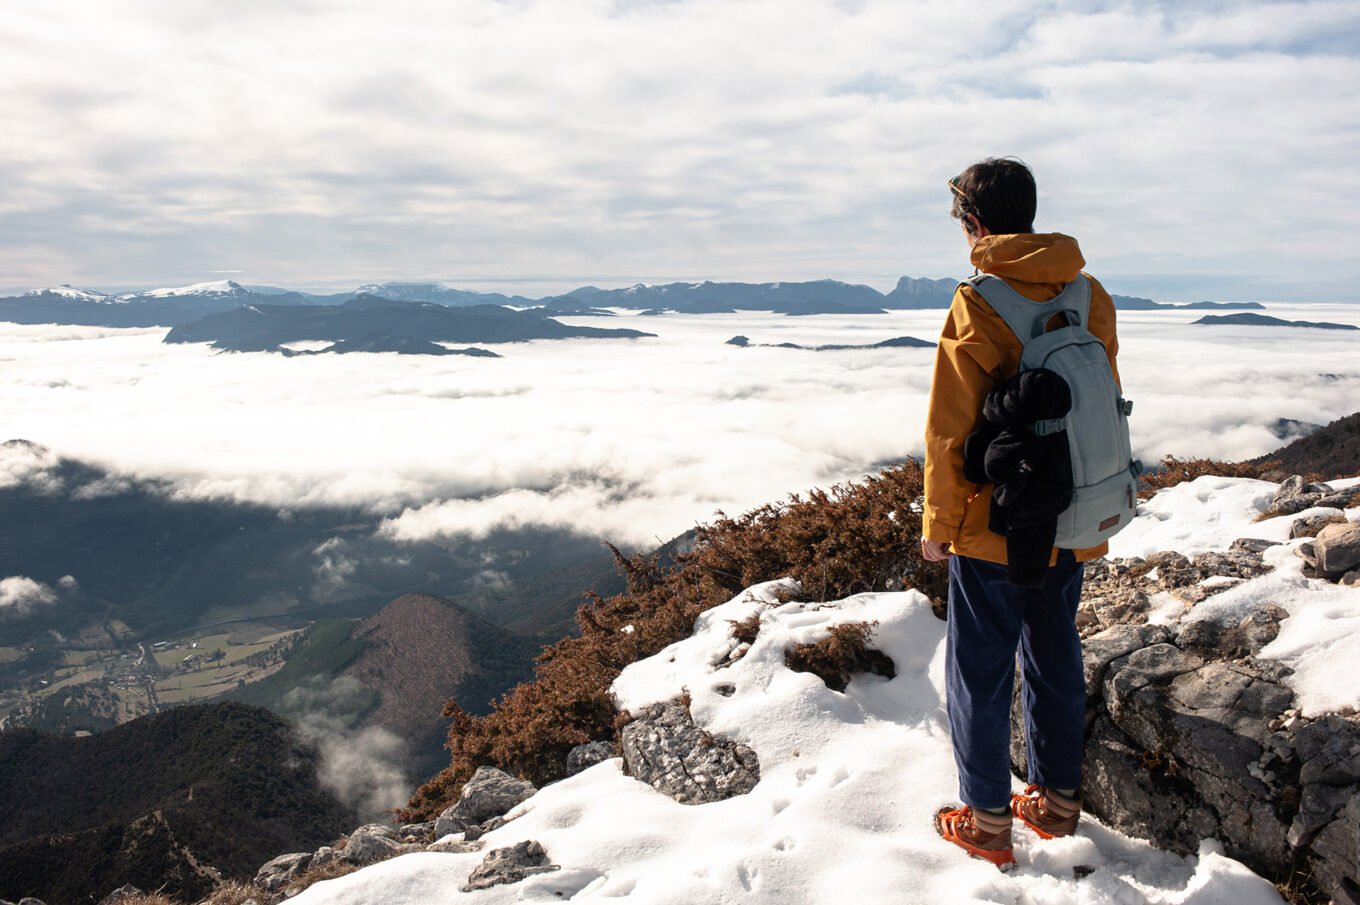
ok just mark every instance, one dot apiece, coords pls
pixel 976 351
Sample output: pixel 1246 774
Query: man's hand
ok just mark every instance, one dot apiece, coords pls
pixel 934 551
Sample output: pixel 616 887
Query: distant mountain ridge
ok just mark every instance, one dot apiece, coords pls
pixel 366 318
pixel 1261 320
pixel 170 307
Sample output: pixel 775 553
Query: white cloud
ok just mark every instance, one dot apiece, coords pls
pixel 552 142
pixel 20 595
pixel 333 569
pixel 632 440
pixel 363 767
pixel 27 463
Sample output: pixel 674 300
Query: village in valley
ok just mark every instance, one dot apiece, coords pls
pixel 104 678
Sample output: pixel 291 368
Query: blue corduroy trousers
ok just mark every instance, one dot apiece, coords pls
pixel 989 619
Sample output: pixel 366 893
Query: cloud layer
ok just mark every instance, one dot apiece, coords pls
pixel 1198 149
pixel 634 440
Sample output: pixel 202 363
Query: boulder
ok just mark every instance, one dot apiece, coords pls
pixel 416 832
pixel 509 865
pixel 588 755
pixel 373 842
pixel 1296 495
pixel 1310 525
pixel 489 793
pixel 1189 737
pixel 1335 860
pixel 665 749
pixel 1337 548
pixel 281 870
pixel 324 855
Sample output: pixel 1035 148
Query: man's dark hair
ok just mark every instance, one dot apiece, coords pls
pixel 999 191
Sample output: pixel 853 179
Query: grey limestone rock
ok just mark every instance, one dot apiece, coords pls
pixel 509 865
pixel 324 855
pixel 489 793
pixel 1296 495
pixel 665 749
pixel 1335 856
pixel 416 832
pixel 277 872
pixel 588 755
pixel 373 842
pixel 1245 638
pixel 122 893
pixel 1337 548
pixel 1309 526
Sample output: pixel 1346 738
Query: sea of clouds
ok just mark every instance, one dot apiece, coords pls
pixel 633 439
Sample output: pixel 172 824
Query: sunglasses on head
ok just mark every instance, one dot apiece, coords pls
pixel 958 191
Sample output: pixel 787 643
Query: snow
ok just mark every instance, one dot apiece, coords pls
pixel 217 287
pixel 849 781
pixel 71 292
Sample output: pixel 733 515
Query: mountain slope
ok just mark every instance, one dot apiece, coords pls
pixel 841 813
pixel 408 659
pixel 218 785
pixel 1332 451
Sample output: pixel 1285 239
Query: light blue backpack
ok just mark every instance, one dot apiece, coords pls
pixel 1104 472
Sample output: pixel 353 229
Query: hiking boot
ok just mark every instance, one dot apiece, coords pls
pixel 1046 812
pixel 980 833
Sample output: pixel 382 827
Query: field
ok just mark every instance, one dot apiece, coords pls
pixel 92 688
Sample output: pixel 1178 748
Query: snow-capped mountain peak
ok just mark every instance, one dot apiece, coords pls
pixel 66 290
pixel 215 288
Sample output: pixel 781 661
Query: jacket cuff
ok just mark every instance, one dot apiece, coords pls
pixel 938 531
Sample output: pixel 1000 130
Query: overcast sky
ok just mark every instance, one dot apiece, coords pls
pixel 1197 150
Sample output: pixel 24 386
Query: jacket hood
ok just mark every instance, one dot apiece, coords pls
pixel 1029 257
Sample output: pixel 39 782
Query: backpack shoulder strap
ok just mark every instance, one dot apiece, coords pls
pixel 1026 317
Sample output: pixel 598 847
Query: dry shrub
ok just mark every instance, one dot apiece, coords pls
pixel 854 537
pixel 233 892
pixel 1174 471
pixel 745 630
pixel 844 652
pixel 148 898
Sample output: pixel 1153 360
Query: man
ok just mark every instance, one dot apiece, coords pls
pixel 989 618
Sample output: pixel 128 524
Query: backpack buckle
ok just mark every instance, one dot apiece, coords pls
pixel 1048 426
pixel 1125 406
